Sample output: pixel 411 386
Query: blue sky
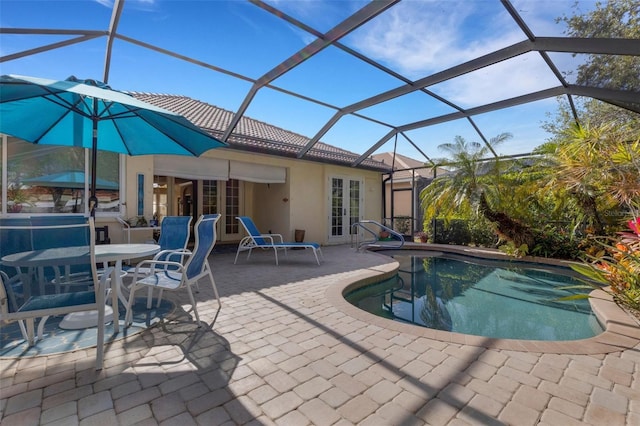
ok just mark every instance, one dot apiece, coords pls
pixel 414 38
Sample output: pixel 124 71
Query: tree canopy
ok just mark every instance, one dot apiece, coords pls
pixel 614 19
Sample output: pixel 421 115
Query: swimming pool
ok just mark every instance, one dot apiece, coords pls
pixel 497 299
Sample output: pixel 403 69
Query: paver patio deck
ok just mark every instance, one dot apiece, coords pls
pixel 285 350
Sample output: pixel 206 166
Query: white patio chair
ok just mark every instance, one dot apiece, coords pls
pixel 42 306
pixel 172 275
pixel 174 237
pixel 8 300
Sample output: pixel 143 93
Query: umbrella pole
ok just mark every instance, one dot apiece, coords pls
pixel 93 200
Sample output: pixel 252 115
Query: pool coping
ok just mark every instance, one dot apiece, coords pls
pixel 622 330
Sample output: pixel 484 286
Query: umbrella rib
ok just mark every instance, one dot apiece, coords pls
pixel 68 108
pixel 168 135
pixel 59 100
pixel 176 119
pixel 171 117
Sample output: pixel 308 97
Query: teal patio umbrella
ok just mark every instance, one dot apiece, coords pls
pixel 69 179
pixel 89 114
pixel 72 179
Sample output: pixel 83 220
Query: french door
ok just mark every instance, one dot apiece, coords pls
pixel 346 199
pixel 223 197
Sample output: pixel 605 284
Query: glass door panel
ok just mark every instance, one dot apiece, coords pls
pixel 345 209
pixel 232 208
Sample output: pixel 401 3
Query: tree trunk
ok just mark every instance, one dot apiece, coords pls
pixel 589 206
pixel 507 228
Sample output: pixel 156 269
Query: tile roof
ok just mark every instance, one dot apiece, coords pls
pixel 254 135
pixel 405 165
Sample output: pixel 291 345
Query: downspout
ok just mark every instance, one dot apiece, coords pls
pixel 391 192
pixel 414 210
pixel 384 196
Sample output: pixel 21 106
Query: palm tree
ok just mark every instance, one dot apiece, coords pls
pixel 475 184
pixel 599 167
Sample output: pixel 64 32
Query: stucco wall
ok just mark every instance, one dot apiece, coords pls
pixel 132 167
pixel 373 196
pixel 308 201
pixel 270 212
pixel 300 203
pixel 306 191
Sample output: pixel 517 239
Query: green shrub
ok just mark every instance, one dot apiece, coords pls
pixel 482 233
pixel 462 232
pixel 553 242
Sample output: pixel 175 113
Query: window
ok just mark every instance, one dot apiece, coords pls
pixel 159 197
pixel 345 208
pixel 354 204
pixel 209 196
pixel 337 202
pixel 107 182
pixel 53 179
pixel 232 206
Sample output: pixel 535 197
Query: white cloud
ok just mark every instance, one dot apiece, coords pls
pixel 411 38
pixel 319 14
pixel 106 3
pixel 518 76
pixel 540 15
pixel 137 3
pixel 419 38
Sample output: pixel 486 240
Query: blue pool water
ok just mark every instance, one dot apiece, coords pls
pixel 510 300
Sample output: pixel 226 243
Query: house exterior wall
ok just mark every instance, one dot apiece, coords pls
pixel 268 210
pixel 302 202
pixel 373 196
pixel 306 192
pixel 299 203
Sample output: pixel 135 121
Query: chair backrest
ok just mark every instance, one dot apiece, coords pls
pixel 46 233
pixel 205 232
pixel 251 229
pixel 41 304
pixel 174 232
pixel 51 232
pixel 84 231
pixel 83 256
pixel 15 237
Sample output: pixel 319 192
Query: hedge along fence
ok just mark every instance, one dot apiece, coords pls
pixel 461 232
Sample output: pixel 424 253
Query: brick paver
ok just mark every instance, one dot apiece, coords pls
pixel 282 351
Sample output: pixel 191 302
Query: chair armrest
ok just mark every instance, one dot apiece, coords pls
pixel 106 274
pixel 123 222
pixel 273 237
pixel 268 239
pixel 246 241
pixel 165 254
pixel 180 254
pixel 4 297
pixel 151 266
pixel 9 297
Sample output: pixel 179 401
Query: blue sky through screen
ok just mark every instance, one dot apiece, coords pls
pixel 414 39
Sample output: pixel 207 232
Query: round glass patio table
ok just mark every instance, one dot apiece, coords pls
pixel 66 255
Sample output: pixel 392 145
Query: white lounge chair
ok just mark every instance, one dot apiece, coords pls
pixel 255 239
